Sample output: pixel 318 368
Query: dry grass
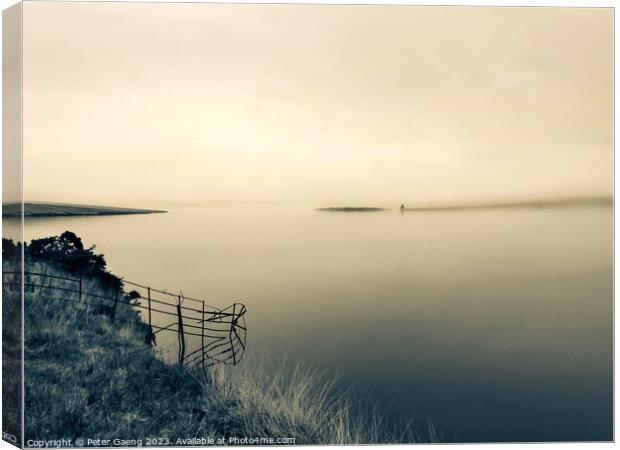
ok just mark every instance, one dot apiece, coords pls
pixel 302 403
pixel 89 376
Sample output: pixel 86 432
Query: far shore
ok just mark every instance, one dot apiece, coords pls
pixel 351 209
pixel 525 204
pixel 40 209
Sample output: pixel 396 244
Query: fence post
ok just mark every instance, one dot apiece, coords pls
pixel 148 289
pixel 17 277
pixel 114 307
pixel 181 332
pixel 202 333
pixel 22 282
pixel 80 297
pixel 230 334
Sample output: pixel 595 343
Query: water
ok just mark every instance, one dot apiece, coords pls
pixel 496 325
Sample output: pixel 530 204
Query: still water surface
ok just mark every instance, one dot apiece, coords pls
pixel 495 325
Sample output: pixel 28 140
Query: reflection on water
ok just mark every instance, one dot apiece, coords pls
pixel 497 325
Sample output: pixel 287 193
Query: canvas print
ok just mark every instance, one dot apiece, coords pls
pixel 293 224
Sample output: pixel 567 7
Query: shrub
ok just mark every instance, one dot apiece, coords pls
pixel 68 251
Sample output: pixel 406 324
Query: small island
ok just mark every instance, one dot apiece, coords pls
pixel 40 209
pixel 351 209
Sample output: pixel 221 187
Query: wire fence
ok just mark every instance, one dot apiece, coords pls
pixel 206 335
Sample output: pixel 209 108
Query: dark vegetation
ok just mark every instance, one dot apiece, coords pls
pixel 90 374
pixel 351 209
pixel 67 251
pixel 11 357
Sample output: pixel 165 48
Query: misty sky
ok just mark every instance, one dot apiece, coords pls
pixel 160 104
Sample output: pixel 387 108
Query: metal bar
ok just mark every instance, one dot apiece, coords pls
pixel 47 275
pixel 160 291
pixel 167 327
pixel 161 302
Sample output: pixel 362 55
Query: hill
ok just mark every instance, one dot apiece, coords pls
pixel 39 209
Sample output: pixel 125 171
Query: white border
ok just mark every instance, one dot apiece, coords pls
pixel 558 3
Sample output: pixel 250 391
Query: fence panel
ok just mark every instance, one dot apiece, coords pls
pixel 219 334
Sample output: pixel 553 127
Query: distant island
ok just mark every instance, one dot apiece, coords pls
pixel 351 209
pixel 41 209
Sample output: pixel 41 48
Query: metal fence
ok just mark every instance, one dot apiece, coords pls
pixel 206 335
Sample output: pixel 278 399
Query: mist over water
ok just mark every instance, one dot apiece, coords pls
pixel 494 324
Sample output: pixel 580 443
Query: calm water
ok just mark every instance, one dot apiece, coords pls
pixel 496 325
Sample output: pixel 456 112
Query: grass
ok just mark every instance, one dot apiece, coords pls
pixel 87 376
pixel 302 403
pixel 11 365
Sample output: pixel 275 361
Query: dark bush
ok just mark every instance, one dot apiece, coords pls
pixel 67 251
pixel 9 249
pixel 133 297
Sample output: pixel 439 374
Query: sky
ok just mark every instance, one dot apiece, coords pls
pixel 149 105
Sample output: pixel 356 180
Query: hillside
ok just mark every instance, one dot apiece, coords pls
pixel 89 375
pixel 38 209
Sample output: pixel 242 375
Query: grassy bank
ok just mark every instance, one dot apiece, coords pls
pixel 88 376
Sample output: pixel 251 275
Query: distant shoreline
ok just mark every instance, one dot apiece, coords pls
pixel 524 204
pixel 351 209
pixel 527 204
pixel 36 209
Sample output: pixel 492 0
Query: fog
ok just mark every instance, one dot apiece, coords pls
pixel 181 104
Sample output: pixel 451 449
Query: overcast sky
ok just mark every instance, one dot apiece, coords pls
pixel 160 104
